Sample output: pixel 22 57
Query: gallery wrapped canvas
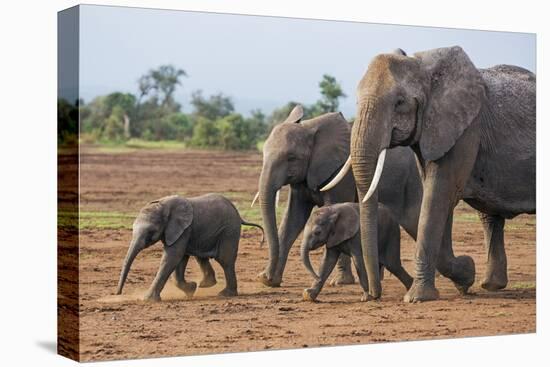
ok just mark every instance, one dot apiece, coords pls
pixel 232 183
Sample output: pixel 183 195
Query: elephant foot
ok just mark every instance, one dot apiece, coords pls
pixel 208 282
pixel 226 292
pixel 494 280
pixel 188 288
pixel 309 295
pixel 343 278
pixel 465 276
pixel 263 278
pixel 366 297
pixel 421 293
pixel 151 297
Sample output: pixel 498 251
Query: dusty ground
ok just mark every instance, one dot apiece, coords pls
pixel 116 184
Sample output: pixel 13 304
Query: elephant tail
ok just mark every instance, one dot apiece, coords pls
pixel 257 226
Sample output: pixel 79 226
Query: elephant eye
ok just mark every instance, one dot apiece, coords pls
pixel 399 103
pixel 292 158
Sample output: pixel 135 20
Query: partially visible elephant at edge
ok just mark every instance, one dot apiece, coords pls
pixel 207 226
pixel 473 133
pixel 337 227
pixel 306 155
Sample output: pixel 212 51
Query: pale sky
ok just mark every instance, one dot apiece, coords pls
pixel 261 62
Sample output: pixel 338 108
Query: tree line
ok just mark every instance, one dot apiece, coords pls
pixel 153 114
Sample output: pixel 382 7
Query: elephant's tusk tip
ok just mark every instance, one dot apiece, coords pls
pixel 366 198
pixel 255 198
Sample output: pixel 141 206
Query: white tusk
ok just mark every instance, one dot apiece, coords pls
pixel 377 174
pixel 277 198
pixel 255 198
pixel 339 176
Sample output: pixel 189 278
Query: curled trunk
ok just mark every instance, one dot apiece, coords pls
pixel 307 262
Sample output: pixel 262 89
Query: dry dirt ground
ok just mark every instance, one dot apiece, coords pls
pixel 116 183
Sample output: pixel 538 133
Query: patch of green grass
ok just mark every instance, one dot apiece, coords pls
pixel 163 144
pixel 96 220
pixel 523 285
pixel 500 314
pixel 132 145
pixel 466 217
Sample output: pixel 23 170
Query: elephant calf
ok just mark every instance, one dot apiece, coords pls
pixel 337 226
pixel 207 226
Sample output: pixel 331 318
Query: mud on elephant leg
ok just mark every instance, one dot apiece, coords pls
pixel 461 270
pixel 344 275
pixel 496 273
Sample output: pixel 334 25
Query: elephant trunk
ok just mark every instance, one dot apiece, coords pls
pixel 133 250
pixel 305 259
pixel 366 139
pixel 267 206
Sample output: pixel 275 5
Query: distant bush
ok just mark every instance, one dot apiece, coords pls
pixel 67 120
pixel 153 115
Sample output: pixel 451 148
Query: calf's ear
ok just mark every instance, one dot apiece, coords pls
pixel 179 218
pixel 345 226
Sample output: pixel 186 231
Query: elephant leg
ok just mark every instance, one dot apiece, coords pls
pixel 496 273
pixel 392 257
pixel 461 270
pixel 227 258
pixel 293 222
pixel 208 273
pixel 170 259
pixel 328 264
pixel 179 274
pixel 344 276
pixel 357 257
pixel 443 183
pixel 230 289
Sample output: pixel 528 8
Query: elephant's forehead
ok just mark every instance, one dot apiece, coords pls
pixel 285 135
pixel 379 78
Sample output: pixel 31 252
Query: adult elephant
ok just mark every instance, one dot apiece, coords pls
pixel 473 133
pixel 306 155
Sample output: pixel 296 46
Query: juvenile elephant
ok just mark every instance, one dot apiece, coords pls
pixel 473 133
pixel 306 155
pixel 207 226
pixel 337 227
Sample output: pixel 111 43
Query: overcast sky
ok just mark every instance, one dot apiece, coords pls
pixel 261 62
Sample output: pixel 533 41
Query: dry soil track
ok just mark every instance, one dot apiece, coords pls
pixel 115 184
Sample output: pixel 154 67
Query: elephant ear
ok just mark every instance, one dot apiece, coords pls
pixel 296 115
pixel 345 225
pixel 456 96
pixel 179 218
pixel 330 149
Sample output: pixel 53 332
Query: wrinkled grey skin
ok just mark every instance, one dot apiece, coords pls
pixel 306 155
pixel 207 226
pixel 473 133
pixel 337 227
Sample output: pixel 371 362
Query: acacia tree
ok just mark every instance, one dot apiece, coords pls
pixel 331 92
pixel 165 79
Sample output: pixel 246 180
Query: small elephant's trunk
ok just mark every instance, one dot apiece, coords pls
pixel 306 260
pixel 130 256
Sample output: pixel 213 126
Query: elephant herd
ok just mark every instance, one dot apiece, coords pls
pixel 430 130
